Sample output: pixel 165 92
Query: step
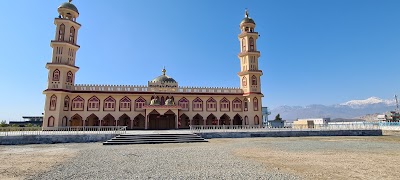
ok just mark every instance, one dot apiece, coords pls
pixel 147 142
pixel 154 139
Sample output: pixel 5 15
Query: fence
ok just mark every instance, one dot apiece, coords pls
pixel 257 128
pixel 24 131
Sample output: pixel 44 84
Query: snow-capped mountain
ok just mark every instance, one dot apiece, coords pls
pixel 350 109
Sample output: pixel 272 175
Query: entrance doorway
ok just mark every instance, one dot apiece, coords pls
pixel 159 122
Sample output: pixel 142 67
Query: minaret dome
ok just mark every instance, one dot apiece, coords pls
pixel 68 10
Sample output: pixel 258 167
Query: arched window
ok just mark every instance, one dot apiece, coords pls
pixel 66 103
pixel 184 103
pixel 172 98
pixel 93 104
pixel 69 77
pixel 244 81
pixel 78 104
pixel 125 104
pixel 211 104
pixel 50 122
pixel 243 45
pixel 251 42
pixel 237 105
pixel 139 103
pixel 64 121
pixel 72 35
pixel 162 101
pixel 256 120
pixel 197 104
pixel 61 32
pixel 53 102
pixel 255 104
pixel 56 75
pixel 246 120
pixel 253 80
pixel 224 105
pixel 109 104
pixel 246 104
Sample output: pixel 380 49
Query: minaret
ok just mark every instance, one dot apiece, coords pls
pixel 249 73
pixel 62 67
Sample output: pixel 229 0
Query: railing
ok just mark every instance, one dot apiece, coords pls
pixel 259 128
pixel 72 130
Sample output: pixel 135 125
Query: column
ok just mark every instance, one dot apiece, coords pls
pixel 145 121
pixel 176 122
pixel 131 123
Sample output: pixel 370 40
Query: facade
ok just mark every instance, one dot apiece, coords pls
pixel 161 104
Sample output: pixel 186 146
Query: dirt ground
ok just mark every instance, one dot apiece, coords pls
pixel 307 157
pixel 19 162
pixel 330 157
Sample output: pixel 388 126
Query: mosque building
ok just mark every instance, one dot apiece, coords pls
pixel 161 104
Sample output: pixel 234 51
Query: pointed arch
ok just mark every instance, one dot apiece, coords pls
pixel 251 43
pixel 61 32
pixel 243 45
pixel 211 104
pixel 255 104
pixel 139 103
pixel 78 104
pixel 162 100
pixel 246 104
pixel 92 120
pixel 172 98
pixel 109 104
pixel 56 75
pixel 72 35
pixel 197 104
pixel 93 104
pixel 184 121
pixel 198 120
pixel 66 103
pixel 64 121
pixel 108 120
pixel 50 121
pixel 152 97
pixel 246 120
pixel 237 120
pixel 125 104
pixel 256 120
pixel 184 103
pixel 253 80
pixel 224 120
pixel 138 122
pixel 76 120
pixel 124 120
pixel 211 120
pixel 53 103
pixel 244 81
pixel 224 105
pixel 237 105
pixel 70 77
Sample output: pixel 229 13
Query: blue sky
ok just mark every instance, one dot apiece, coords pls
pixel 312 51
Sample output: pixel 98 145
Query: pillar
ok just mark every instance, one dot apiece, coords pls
pixel 176 122
pixel 146 121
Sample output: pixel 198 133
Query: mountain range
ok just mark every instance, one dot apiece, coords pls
pixel 352 109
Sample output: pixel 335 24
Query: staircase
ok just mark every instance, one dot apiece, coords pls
pixel 154 139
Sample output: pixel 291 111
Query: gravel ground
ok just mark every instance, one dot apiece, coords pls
pixel 254 158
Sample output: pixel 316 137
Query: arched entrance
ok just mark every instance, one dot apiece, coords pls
pixel 108 120
pixel 184 121
pixel 92 120
pixel 139 122
pixel 198 120
pixel 237 120
pixel 165 121
pixel 124 120
pixel 211 120
pixel 76 120
pixel 224 120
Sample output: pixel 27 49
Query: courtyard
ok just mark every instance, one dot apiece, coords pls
pixel 246 158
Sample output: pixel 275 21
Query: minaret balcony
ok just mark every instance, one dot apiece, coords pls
pixel 245 53
pixel 242 73
pixel 63 42
pixel 68 20
pixel 245 33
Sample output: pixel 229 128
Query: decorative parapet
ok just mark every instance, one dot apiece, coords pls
pixel 143 88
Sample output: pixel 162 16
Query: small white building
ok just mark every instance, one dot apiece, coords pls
pixel 316 121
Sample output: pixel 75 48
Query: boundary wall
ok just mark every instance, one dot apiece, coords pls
pixel 53 139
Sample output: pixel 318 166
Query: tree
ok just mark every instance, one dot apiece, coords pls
pixel 3 124
pixel 278 117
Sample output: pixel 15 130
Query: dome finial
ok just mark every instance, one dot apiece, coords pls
pixel 246 14
pixel 163 71
pixel 69 1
